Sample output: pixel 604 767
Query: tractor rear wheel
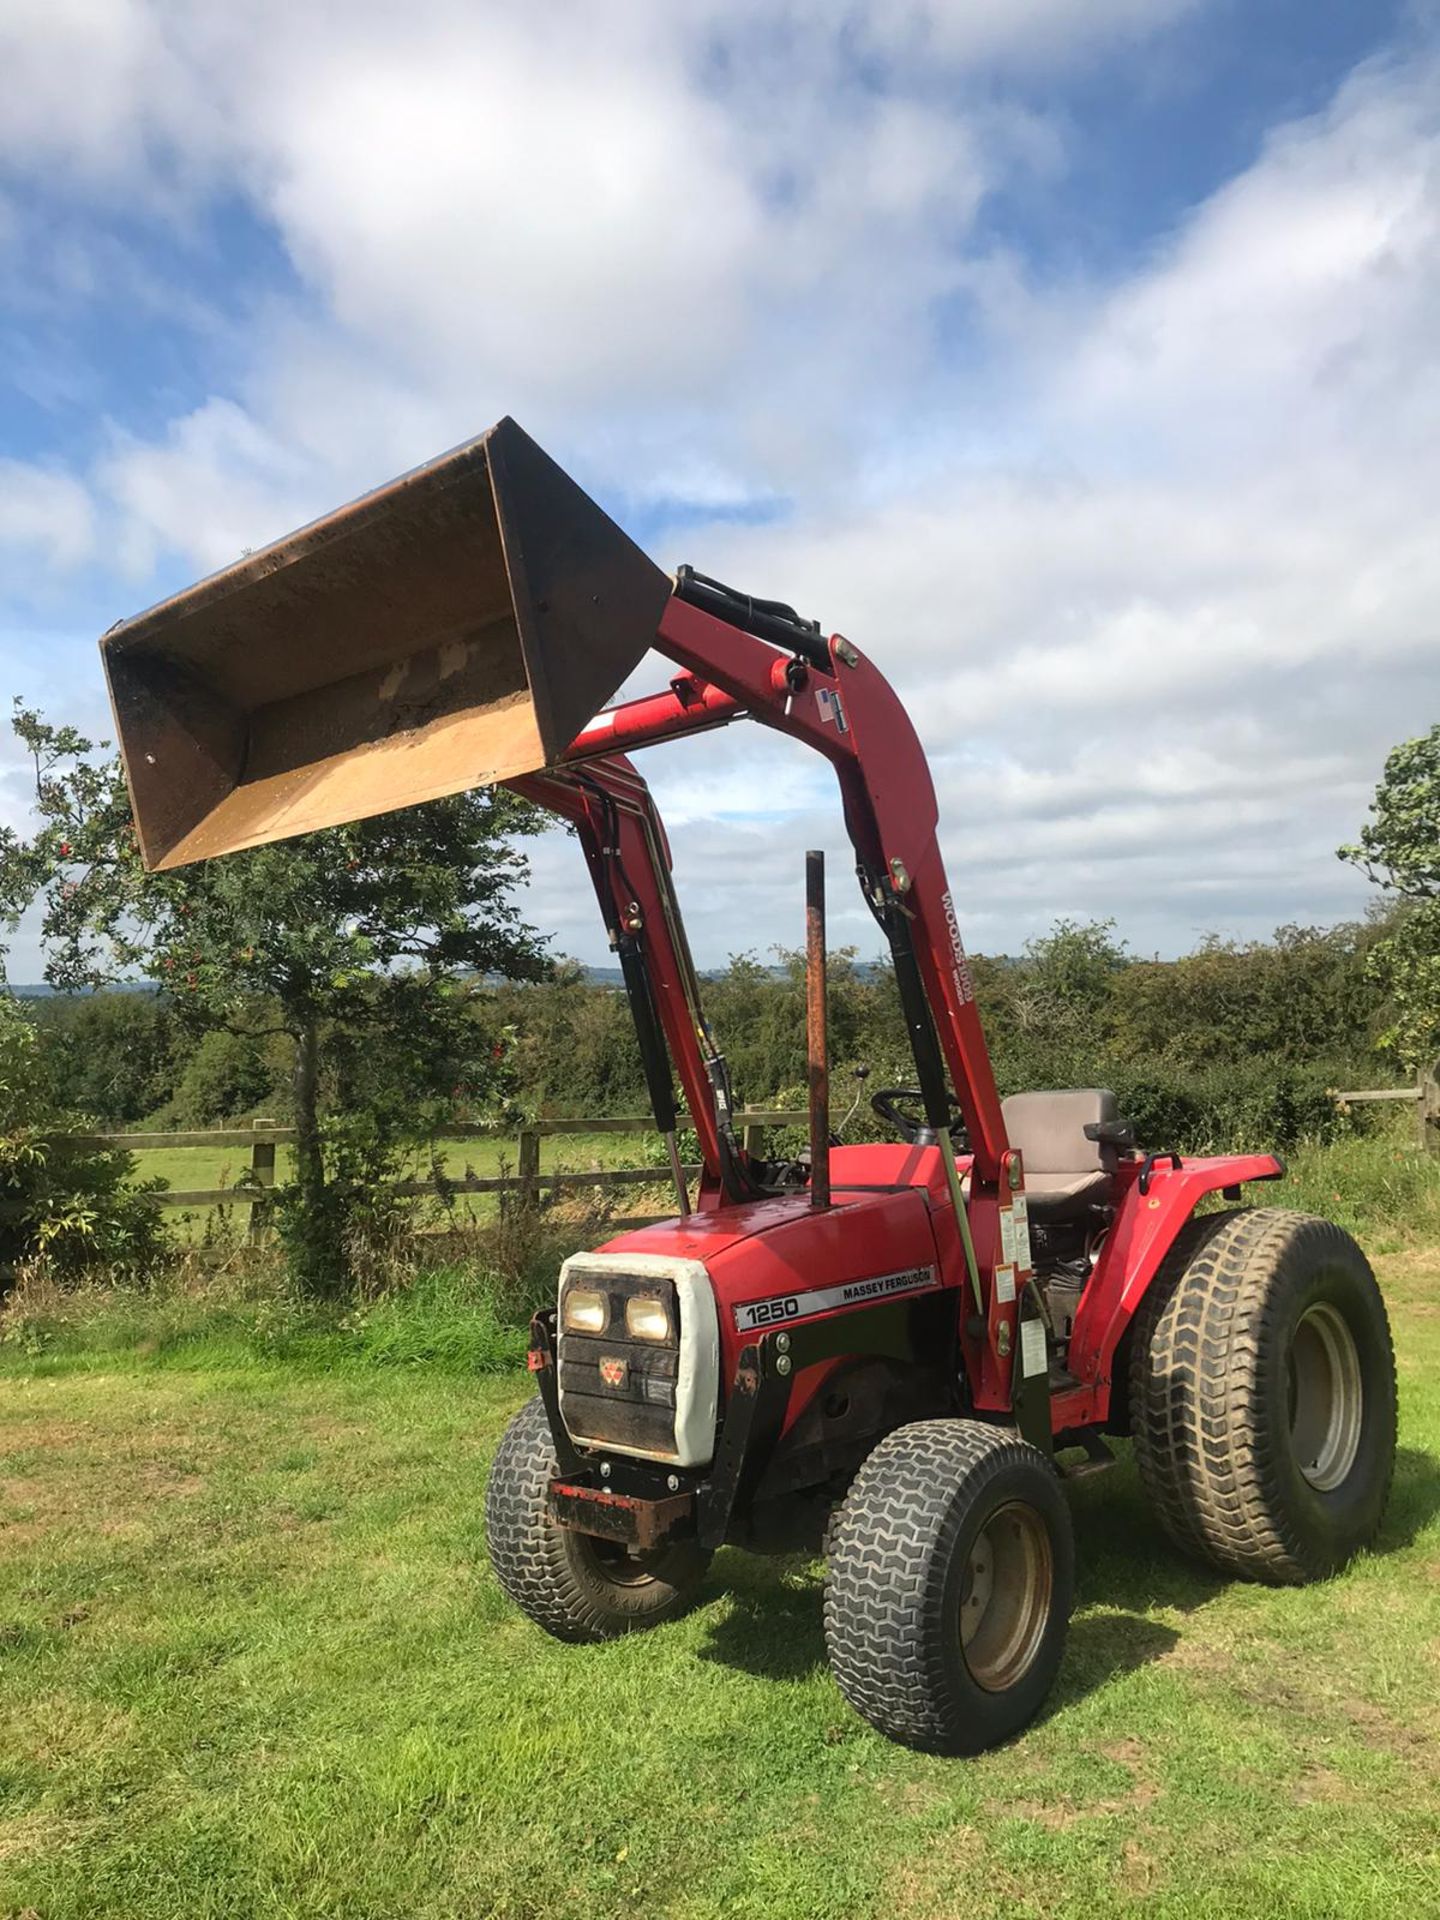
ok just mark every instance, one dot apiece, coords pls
pixel 949 1586
pixel 574 1586
pixel 1262 1395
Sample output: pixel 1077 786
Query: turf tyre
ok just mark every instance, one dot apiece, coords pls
pixel 903 1548
pixel 576 1588
pixel 1213 1394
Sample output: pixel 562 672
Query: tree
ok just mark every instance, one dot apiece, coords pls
pixel 110 1056
pixel 1399 849
pixel 225 1075
pixel 1059 1005
pixel 1072 969
pixel 367 937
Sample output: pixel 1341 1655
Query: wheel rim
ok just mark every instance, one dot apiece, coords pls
pixel 621 1567
pixel 1005 1599
pixel 1327 1398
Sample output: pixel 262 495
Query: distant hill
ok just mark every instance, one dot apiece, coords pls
pixel 40 990
pixel 593 976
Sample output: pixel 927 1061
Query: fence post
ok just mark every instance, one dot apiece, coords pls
pixel 262 1170
pixel 1427 1110
pixel 752 1139
pixel 527 1165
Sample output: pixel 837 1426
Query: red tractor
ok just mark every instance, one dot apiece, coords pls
pixel 892 1349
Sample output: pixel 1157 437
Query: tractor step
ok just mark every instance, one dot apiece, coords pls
pixel 1097 1458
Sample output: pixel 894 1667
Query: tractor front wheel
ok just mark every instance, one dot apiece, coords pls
pixel 1262 1395
pixel 949 1586
pixel 575 1587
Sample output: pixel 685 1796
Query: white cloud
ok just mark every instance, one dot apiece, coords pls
pixel 96 91
pixel 1297 309
pixel 682 229
pixel 46 517
pixel 462 199
pixel 667 267
pixel 112 90
pixel 230 482
pixel 1158 578
pixel 1158 654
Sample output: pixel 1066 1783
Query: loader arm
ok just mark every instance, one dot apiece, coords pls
pixel 846 710
pixel 629 861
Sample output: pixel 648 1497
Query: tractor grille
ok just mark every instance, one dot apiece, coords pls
pixel 616 1390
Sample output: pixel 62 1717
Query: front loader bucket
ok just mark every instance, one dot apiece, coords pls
pixel 457 627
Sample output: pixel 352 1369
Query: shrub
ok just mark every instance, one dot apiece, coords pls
pixel 63 1202
pixel 112 1056
pixel 1228 1108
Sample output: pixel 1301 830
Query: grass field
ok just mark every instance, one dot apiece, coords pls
pixel 189 1169
pixel 252 1662
pixel 199 1169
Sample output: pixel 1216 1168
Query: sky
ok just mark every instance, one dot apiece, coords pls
pixel 1079 359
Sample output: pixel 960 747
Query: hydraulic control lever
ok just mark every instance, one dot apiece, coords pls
pixel 769 620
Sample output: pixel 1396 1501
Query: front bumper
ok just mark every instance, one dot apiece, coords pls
pixel 631 1520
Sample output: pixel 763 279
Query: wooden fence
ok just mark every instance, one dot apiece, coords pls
pixel 1424 1096
pixel 528 1181
pixel 252 1189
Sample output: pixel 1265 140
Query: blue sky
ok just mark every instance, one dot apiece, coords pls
pixel 1077 356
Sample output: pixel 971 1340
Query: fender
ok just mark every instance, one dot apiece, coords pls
pixel 1145 1228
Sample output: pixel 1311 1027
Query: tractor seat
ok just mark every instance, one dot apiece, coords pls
pixel 1065 1174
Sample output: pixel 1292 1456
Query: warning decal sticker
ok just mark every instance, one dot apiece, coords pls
pixel 1033 1358
pixel 1020 1209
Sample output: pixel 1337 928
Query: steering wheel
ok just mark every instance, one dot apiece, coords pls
pixel 886 1106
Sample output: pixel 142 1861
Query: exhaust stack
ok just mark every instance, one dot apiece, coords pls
pixel 455 628
pixel 817 1044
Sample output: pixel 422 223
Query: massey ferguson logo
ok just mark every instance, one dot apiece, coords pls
pixel 964 982
pixel 613 1372
pixel 754 1314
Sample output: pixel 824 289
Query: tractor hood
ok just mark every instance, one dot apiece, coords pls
pixel 780 1261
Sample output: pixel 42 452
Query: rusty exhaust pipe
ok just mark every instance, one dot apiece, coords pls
pixel 816 1034
pixel 455 628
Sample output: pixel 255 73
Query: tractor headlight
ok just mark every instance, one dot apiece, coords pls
pixel 646 1319
pixel 586 1311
